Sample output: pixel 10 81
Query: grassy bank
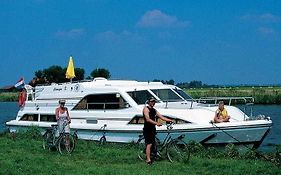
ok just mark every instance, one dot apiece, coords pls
pixel 23 154
pixel 8 96
pixel 262 95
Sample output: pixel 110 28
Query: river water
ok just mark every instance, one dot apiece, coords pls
pixel 8 111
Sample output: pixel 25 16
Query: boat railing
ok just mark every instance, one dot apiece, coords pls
pixel 30 94
pixel 170 101
pixel 48 104
pixel 106 105
pixel 215 100
pixel 247 102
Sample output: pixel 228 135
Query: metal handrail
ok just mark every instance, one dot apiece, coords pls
pixel 104 104
pixel 248 101
pixel 216 99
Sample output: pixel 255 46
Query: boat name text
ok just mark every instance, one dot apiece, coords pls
pixel 57 89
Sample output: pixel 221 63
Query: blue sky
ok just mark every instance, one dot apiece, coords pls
pixel 217 42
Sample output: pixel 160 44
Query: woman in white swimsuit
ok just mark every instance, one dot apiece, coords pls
pixel 62 117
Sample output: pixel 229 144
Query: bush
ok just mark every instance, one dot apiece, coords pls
pixel 231 151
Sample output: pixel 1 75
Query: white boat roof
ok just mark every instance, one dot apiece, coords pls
pixel 98 85
pixel 102 82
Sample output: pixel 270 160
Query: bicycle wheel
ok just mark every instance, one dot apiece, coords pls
pixel 141 149
pixel 47 140
pixel 63 146
pixel 74 138
pixel 178 151
pixel 102 140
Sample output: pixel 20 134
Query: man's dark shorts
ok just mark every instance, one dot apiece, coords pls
pixel 149 137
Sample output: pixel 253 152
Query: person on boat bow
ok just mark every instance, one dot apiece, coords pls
pixel 149 130
pixel 221 114
pixel 63 119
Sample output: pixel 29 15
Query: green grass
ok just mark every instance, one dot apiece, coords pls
pixel 24 154
pixel 8 96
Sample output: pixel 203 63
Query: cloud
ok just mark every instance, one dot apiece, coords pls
pixel 158 19
pixel 71 34
pixel 108 35
pixel 114 36
pixel 266 30
pixel 263 18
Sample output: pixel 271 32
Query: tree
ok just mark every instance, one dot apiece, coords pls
pixel 172 82
pixel 100 72
pixel 39 74
pixel 54 74
pixel 192 84
pixel 79 74
pixel 195 84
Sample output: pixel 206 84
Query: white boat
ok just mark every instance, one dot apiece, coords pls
pixel 118 105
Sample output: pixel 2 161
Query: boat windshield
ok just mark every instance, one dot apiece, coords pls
pixel 166 95
pixel 141 96
pixel 183 94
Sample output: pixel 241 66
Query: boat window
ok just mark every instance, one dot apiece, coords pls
pixel 175 120
pixel 102 101
pixel 140 97
pixel 138 119
pixel 92 121
pixel 183 94
pixel 29 117
pixel 166 95
pixel 47 118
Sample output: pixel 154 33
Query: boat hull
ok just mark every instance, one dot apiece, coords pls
pixel 249 133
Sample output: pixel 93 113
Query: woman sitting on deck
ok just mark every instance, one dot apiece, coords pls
pixel 221 114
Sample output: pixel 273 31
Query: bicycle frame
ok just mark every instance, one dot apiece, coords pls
pixel 169 147
pixel 103 130
pixel 168 138
pixel 103 137
pixel 51 139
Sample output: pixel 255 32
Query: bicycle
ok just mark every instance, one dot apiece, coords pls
pixel 51 141
pixel 175 149
pixel 103 138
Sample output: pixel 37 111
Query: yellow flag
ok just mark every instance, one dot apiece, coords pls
pixel 70 69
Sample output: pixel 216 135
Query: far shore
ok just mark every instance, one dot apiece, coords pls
pixel 262 95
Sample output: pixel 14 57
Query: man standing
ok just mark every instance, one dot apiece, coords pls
pixel 149 131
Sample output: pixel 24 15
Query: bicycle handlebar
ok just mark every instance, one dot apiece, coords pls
pixel 103 127
pixel 169 125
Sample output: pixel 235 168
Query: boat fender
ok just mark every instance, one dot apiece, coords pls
pixel 22 98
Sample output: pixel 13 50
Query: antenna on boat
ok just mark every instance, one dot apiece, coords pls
pixel 70 69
